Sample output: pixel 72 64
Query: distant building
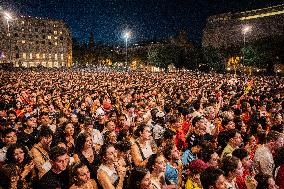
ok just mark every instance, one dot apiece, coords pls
pixel 225 30
pixel 31 42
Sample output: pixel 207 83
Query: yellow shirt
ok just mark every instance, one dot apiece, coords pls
pixel 191 185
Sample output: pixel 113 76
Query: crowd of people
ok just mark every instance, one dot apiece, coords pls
pixel 90 129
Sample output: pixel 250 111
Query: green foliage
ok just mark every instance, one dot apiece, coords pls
pixel 214 58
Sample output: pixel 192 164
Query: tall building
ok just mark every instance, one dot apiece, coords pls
pixel 230 29
pixel 30 41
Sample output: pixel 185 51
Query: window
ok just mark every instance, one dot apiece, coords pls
pixel 23 41
pixel 55 37
pixel 23 22
pixel 37 56
pixel 49 56
pixel 49 37
pixel 60 32
pixel 55 43
pixel 55 56
pixel 43 56
pixel 31 55
pixel 55 32
pixel 61 56
pixel 49 43
pixel 24 56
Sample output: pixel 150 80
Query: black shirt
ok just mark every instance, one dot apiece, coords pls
pixel 52 180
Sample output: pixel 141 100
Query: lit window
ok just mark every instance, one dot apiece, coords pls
pixel 24 56
pixel 31 55
pixel 43 56
pixel 49 37
pixel 49 56
pixel 55 56
pixel 23 41
pixel 23 22
pixel 55 37
pixel 37 55
pixel 55 32
pixel 61 56
pixel 55 43
pixel 60 32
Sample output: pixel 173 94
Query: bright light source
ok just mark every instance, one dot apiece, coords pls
pixel 257 70
pixel 228 69
pixel 7 16
pixel 127 35
pixel 278 71
pixel 246 29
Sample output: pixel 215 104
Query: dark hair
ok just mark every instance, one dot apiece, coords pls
pixel 8 131
pixel 10 154
pixel 107 136
pixel 272 136
pixel 80 141
pixel 136 176
pixel 279 157
pixel 74 170
pixel 140 129
pixel 55 152
pixel 209 177
pixel 262 180
pixel 168 151
pixel 231 133
pixel 7 172
pixel 151 162
pixel 103 151
pixel 45 132
pixel 196 119
pixel 229 164
pixel 123 146
pixel 240 153
pixel 206 154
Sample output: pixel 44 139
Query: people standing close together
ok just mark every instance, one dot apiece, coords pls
pixel 90 129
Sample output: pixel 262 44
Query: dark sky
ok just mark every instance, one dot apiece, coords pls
pixel 147 19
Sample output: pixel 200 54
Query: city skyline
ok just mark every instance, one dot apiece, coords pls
pixel 147 20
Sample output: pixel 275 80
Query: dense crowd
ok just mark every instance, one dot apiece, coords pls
pixel 106 129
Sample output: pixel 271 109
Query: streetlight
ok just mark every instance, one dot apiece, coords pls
pixel 126 36
pixel 8 18
pixel 245 30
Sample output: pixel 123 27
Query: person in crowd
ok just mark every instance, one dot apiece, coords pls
pixel 263 159
pixel 66 135
pixel 173 173
pixel 18 154
pixel 213 178
pixel 140 178
pixel 28 133
pixel 57 176
pixel 193 170
pixel 81 179
pixel 142 149
pixel 85 153
pixel 39 152
pixel 9 137
pixel 278 172
pixel 234 141
pixel 232 168
pixel 265 182
pixel 110 174
pixel 9 176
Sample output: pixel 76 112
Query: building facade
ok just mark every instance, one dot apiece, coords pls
pixel 31 42
pixel 230 29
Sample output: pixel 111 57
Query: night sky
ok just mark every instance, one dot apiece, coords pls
pixel 146 19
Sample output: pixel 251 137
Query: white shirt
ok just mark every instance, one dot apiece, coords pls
pixel 97 137
pixel 263 160
pixel 113 176
pixel 3 152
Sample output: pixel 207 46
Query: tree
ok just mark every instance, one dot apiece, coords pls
pixel 214 58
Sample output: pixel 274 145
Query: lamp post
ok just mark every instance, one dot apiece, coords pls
pixel 126 36
pixel 8 18
pixel 245 30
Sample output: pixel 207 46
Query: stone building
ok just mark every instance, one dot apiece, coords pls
pixel 236 29
pixel 31 42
